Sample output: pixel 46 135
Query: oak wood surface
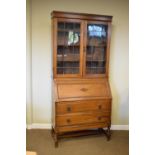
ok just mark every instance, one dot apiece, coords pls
pixel 80 127
pixel 82 118
pixel 86 16
pixel 68 90
pixel 82 106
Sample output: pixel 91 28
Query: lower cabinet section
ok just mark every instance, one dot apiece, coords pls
pixel 73 116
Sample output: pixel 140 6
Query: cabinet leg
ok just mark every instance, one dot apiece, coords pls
pixel 56 143
pixel 55 137
pixel 100 130
pixel 108 133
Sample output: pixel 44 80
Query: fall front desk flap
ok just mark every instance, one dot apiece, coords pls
pixel 82 90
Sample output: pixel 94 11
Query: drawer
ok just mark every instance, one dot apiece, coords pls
pixel 81 127
pixel 81 106
pixel 82 118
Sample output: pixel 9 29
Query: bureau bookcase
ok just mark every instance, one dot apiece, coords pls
pixel 81 102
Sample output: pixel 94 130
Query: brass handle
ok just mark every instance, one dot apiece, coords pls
pixel 99 118
pixel 68 120
pixel 68 109
pixel 100 107
pixel 84 89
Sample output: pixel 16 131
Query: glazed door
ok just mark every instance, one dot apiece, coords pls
pixel 68 45
pixel 95 49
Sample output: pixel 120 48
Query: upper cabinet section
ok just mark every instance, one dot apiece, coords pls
pixel 80 45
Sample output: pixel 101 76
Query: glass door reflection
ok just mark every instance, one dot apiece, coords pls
pixel 96 48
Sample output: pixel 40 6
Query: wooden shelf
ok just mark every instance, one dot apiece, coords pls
pixel 96 46
pixel 68 60
pixel 67 67
pixel 68 30
pixel 69 57
pixel 66 45
pixel 92 57
pixel 95 67
pixel 95 60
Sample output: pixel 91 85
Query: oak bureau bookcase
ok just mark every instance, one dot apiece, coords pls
pixel 81 93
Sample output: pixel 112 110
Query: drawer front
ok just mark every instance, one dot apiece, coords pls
pixel 81 106
pixel 82 127
pixel 81 118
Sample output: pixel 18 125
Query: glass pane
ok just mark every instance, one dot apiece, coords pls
pixel 96 48
pixel 68 48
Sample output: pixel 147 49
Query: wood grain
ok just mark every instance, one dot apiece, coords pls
pixel 69 128
pixel 82 118
pixel 86 16
pixel 83 106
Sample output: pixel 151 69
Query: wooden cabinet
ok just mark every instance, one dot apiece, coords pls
pixel 81 91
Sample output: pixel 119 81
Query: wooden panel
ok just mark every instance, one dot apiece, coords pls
pixel 82 127
pixel 82 90
pixel 86 16
pixel 82 118
pixel 80 106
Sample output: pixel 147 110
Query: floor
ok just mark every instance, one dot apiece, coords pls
pixel 42 142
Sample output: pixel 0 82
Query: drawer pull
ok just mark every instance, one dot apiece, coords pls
pixel 68 120
pixel 68 109
pixel 100 107
pixel 83 89
pixel 99 118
